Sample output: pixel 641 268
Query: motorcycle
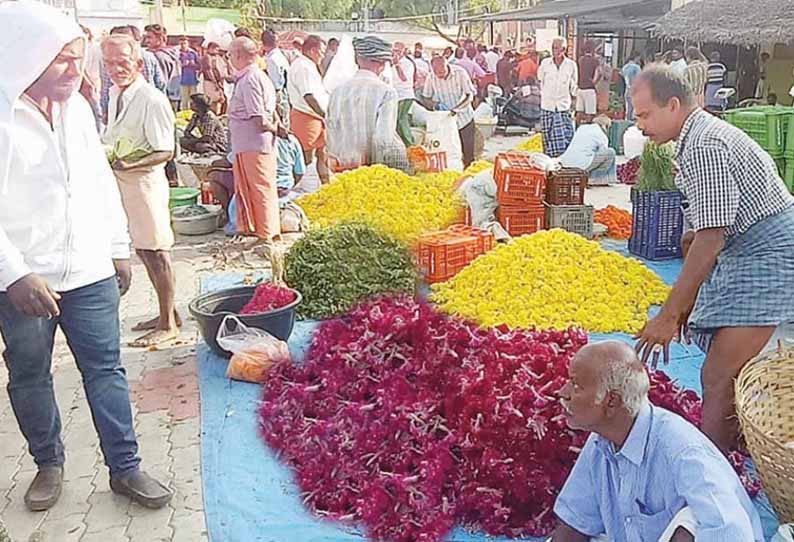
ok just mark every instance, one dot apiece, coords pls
pixel 521 109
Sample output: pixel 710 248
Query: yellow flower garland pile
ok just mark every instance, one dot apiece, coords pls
pixel 388 200
pixel 533 144
pixel 476 167
pixel 553 279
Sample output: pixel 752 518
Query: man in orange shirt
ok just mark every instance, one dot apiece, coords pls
pixel 528 67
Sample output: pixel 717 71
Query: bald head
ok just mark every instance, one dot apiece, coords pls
pixel 242 52
pixel 617 369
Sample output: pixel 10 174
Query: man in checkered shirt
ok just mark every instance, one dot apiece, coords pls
pixel 736 284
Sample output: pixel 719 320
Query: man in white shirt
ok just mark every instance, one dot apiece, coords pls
pixel 362 113
pixel 404 70
pixel 558 78
pixel 64 252
pixel 309 101
pixel 140 115
pixel 277 68
pixel 422 68
pixel 677 61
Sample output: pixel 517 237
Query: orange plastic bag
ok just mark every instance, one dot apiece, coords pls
pixel 254 351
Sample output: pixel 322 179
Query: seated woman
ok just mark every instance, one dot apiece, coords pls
pixel 589 150
pixel 212 137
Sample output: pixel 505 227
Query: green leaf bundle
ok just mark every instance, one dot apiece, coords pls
pixel 656 170
pixel 338 267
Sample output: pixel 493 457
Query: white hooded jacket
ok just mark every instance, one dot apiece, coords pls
pixel 60 211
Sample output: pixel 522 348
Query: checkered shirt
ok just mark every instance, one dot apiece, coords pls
pixel 727 179
pixel 450 90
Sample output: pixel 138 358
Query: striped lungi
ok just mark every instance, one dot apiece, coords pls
pixel 752 282
pixel 557 130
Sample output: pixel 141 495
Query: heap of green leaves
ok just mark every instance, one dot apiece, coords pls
pixel 656 168
pixel 338 267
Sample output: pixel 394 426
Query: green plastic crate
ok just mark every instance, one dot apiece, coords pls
pixel 767 125
pixel 788 177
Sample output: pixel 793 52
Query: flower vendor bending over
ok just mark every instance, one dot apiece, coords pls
pixel 589 150
pixel 738 275
pixel 362 113
pixel 645 474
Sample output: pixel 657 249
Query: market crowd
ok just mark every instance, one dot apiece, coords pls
pixel 87 131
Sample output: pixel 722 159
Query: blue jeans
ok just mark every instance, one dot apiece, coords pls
pixel 90 321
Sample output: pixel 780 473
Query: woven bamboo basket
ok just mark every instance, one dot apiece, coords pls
pixel 765 406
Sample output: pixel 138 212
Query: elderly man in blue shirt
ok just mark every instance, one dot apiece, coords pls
pixel 645 474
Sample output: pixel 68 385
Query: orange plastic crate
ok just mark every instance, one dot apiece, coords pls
pixel 441 255
pixel 485 240
pixel 521 220
pixel 518 182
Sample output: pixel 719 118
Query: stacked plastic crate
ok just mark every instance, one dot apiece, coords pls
pixel 769 126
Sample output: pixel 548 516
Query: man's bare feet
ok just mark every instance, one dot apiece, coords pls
pixel 148 325
pixel 155 338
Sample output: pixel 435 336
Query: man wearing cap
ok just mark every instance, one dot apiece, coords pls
pixel 64 253
pixel 362 113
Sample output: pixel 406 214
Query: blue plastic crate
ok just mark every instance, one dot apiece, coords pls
pixel 658 223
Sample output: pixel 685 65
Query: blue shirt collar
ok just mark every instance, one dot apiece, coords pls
pixel 637 441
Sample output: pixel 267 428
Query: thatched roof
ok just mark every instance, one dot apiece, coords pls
pixel 740 22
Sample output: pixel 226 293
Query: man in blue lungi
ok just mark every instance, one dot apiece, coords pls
pixel 559 80
pixel 738 277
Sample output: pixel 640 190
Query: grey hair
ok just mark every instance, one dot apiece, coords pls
pixel 627 378
pixel 665 84
pixel 558 41
pixel 245 46
pixel 122 41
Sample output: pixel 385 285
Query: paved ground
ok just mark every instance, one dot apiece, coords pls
pixel 166 402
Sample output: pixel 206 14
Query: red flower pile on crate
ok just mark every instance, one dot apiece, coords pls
pixel 408 422
pixel 268 297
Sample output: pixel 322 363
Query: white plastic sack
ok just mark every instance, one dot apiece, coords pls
pixel 254 351
pixel 633 142
pixel 544 162
pixel 785 533
pixel 219 31
pixel 442 142
pixel 418 114
pixel 342 67
pixel 479 192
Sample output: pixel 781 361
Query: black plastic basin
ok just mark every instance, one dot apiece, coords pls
pixel 210 309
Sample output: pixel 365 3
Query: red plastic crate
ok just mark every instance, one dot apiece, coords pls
pixel 521 220
pixel 518 182
pixel 485 239
pixel 441 255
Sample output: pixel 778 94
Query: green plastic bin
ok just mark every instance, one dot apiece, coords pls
pixel 183 196
pixel 767 125
pixel 788 177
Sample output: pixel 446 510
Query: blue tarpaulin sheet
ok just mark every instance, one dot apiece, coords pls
pixel 249 496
